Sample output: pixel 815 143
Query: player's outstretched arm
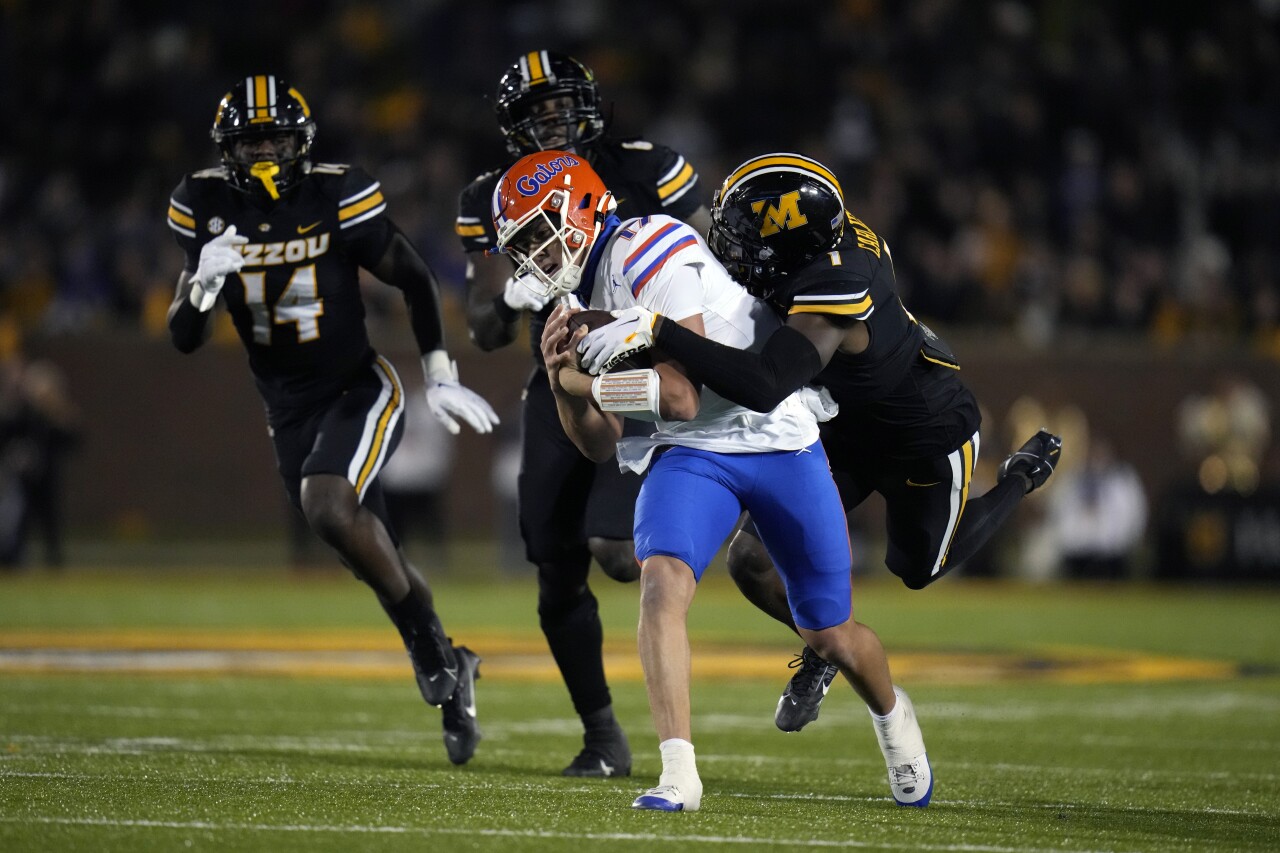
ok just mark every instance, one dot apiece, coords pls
pixel 402 267
pixel 495 302
pixel 790 359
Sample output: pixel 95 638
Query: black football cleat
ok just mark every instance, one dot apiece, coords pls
pixel 804 694
pixel 1034 460
pixel 434 665
pixel 461 731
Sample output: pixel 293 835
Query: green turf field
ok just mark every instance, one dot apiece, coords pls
pixel 257 710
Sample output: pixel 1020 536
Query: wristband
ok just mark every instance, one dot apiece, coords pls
pixel 634 393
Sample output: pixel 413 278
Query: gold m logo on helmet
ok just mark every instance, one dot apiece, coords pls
pixel 786 215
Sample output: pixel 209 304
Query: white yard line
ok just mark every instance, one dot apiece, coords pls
pixel 681 840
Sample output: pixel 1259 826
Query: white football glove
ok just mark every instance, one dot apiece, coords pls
pixel 520 298
pixel 604 348
pixel 446 397
pixel 218 257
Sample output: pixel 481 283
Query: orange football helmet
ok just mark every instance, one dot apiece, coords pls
pixel 548 210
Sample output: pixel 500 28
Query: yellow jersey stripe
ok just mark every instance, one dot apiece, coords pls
pixel 380 433
pixel 469 230
pixel 677 182
pixel 966 472
pixel 859 307
pixel 360 206
pixel 181 218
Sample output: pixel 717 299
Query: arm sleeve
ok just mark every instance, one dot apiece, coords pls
pixel 759 381
pixel 402 267
pixel 188 328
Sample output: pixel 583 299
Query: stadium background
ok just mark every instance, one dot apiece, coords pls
pixel 1081 197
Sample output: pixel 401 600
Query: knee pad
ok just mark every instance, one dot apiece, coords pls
pixel 561 589
pixel 748 562
pixel 617 558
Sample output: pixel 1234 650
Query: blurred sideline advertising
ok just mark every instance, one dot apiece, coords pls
pixel 1194 427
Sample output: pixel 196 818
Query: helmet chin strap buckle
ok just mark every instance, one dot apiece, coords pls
pixel 265 170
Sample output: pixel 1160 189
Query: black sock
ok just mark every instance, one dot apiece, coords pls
pixel 604 734
pixel 983 517
pixel 423 635
pixel 601 722
pixel 575 637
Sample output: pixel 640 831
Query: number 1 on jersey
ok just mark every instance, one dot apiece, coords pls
pixel 298 304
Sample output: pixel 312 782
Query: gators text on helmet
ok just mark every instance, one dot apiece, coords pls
pixel 257 106
pixel 772 216
pixel 548 100
pixel 548 209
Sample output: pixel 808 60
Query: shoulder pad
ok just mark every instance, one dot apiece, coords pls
pixel 360 199
pixel 636 145
pixel 214 173
pixel 824 287
pixel 329 168
pixel 653 242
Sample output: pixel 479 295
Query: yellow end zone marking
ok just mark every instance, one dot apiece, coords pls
pixel 359 653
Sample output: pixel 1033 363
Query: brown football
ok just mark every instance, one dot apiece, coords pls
pixel 594 318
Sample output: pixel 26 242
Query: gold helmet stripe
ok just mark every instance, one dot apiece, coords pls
pixel 261 91
pixel 535 67
pixel 781 162
pixel 306 109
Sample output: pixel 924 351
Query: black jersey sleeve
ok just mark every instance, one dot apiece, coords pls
pixel 182 222
pixel 364 228
pixel 828 286
pixel 474 225
pixel 674 178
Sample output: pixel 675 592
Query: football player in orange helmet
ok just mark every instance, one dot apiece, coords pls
pixel 572 511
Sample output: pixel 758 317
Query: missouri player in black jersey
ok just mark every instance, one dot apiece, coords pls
pixel 907 426
pixel 570 508
pixel 280 242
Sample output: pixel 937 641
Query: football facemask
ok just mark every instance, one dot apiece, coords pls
pixel 548 100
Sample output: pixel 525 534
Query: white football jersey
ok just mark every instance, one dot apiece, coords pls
pixel 663 264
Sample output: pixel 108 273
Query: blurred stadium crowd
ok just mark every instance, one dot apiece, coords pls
pixel 1042 168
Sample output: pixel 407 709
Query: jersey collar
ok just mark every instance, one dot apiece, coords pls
pixel 588 281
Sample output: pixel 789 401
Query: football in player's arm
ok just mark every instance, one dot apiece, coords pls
pixel 592 408
pixel 279 242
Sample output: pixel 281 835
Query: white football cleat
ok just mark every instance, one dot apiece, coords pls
pixel 910 775
pixel 671 798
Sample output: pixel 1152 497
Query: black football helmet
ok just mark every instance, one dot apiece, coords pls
pixel 264 105
pixel 537 77
pixel 773 215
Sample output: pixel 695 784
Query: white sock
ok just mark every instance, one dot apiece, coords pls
pixel 678 764
pixel 895 711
